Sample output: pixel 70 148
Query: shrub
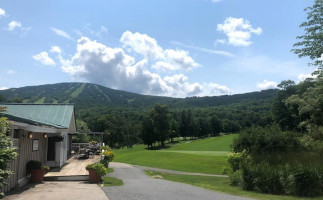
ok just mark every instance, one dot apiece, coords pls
pixel 268 179
pixel 235 160
pixel 98 167
pixel 300 180
pixel 7 154
pixel 235 178
pixel 105 163
pixel 34 164
pixel 287 179
pixel 270 140
pixel 307 181
pixel 108 154
pixel 261 177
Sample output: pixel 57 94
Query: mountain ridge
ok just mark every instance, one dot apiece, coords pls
pixel 89 94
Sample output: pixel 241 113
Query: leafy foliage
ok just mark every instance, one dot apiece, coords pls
pixel 269 140
pixel 7 154
pixel 100 169
pixel 34 164
pixel 273 161
pixel 311 44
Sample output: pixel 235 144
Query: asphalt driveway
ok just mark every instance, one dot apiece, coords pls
pixel 138 186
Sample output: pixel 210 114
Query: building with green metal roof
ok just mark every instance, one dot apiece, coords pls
pixel 40 132
pixel 52 115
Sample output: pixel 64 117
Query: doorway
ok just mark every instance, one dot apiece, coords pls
pixel 51 149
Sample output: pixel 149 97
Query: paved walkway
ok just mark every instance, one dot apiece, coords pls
pixel 178 172
pixel 65 190
pixel 138 186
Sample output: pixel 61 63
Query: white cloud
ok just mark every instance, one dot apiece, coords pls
pixel 112 67
pixel 24 31
pixel 13 25
pixel 176 60
pixel 302 77
pixel 16 25
pixel 44 58
pixel 168 59
pixel 179 86
pixel 55 49
pixel 142 44
pixel 266 85
pixel 3 88
pixel 238 31
pixel 215 1
pixel 321 58
pixel 100 33
pixel 217 89
pixel 61 33
pixel 220 41
pixel 264 65
pixel 2 12
pixel 205 50
pixel 10 72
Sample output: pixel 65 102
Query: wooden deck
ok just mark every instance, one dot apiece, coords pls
pixel 73 167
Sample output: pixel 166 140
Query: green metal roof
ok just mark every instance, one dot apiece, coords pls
pixel 55 115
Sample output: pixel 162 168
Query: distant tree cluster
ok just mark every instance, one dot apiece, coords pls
pixel 124 127
pixel 162 124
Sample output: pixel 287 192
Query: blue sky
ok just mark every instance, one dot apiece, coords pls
pixel 173 48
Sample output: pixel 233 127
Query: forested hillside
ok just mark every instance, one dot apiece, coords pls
pixel 121 114
pixel 85 95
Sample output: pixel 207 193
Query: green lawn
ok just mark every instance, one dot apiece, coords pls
pixel 110 170
pixel 222 143
pixel 221 185
pixel 111 181
pixel 203 156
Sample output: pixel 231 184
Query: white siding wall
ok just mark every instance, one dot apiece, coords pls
pixel 26 154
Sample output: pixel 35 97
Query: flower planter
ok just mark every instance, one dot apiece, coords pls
pixel 37 175
pixel 94 177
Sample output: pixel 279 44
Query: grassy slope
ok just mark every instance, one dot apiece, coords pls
pixel 203 156
pixel 222 185
pixel 210 144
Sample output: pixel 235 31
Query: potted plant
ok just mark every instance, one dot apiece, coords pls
pixel 108 155
pixel 37 171
pixel 96 171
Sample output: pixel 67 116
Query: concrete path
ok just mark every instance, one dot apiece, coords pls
pixel 59 190
pixel 178 172
pixel 138 186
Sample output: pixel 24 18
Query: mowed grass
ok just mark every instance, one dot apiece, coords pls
pixel 111 181
pixel 202 156
pixel 220 184
pixel 221 143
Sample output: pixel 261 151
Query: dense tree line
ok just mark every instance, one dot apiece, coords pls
pixel 127 126
pixel 286 158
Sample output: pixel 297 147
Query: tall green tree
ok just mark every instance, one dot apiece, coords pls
pixel 215 126
pixel 311 43
pixel 147 133
pixel 160 119
pixel 173 129
pixel 286 116
pixel 183 125
pixel 7 154
pixel 83 129
pixel 309 101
